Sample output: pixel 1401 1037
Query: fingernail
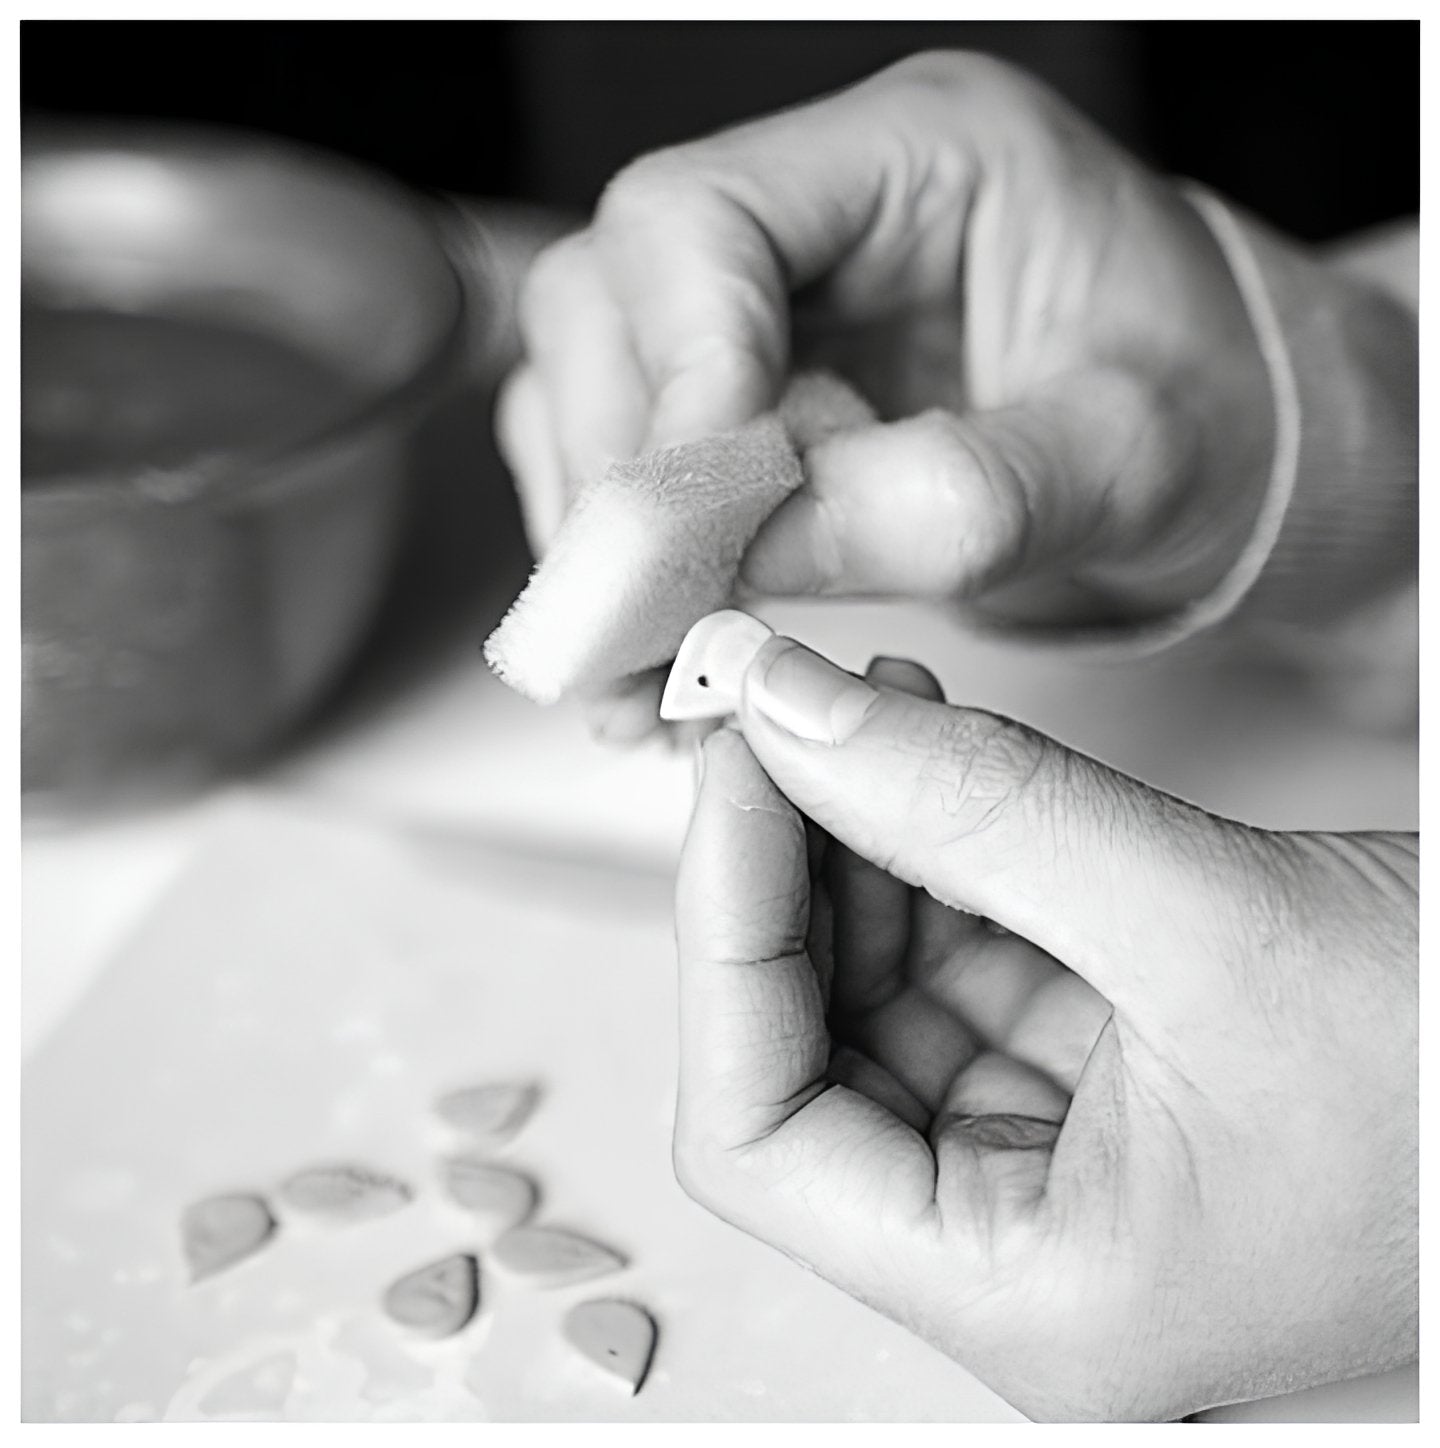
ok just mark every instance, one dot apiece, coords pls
pixel 705 678
pixel 810 697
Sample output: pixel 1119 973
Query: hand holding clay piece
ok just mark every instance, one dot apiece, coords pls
pixel 552 1258
pixel 489 1114
pixel 220 1231
pixel 618 1337
pixel 497 1197
pixel 344 1193
pixel 437 1300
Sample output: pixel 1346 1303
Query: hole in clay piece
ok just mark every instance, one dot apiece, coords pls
pixel 703 681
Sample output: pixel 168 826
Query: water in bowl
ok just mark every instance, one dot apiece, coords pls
pixel 106 392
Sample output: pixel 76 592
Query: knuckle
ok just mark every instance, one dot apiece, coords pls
pixel 949 70
pixel 647 189
pixel 953 83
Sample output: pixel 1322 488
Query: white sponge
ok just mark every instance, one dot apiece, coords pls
pixel 655 544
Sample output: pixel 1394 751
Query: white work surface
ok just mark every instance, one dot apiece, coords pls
pixel 441 884
pixel 460 887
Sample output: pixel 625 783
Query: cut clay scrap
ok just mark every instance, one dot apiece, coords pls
pixel 344 1193
pixel 222 1230
pixel 548 1257
pixel 618 1337
pixel 497 1197
pixel 436 1300
pixel 489 1114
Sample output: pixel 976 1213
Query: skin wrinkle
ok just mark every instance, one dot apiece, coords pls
pixel 789 1020
pixel 969 764
pixel 1156 1103
pixel 984 1230
pixel 1105 1124
pixel 915 190
pixel 1004 1130
pixel 749 806
pixel 731 189
pixel 1362 856
pixel 850 1149
pixel 742 962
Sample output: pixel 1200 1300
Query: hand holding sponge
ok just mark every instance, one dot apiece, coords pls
pixel 655 544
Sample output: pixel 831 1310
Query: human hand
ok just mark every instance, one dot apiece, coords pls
pixel 1153 1150
pixel 1082 415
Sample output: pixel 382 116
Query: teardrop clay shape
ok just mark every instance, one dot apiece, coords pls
pixel 220 1231
pixel 344 1193
pixel 436 1300
pixel 490 1114
pixel 705 679
pixel 618 1337
pixel 496 1196
pixel 551 1258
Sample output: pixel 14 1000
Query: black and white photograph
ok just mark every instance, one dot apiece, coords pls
pixel 719 717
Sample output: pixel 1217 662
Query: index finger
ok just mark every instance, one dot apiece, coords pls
pixel 703 243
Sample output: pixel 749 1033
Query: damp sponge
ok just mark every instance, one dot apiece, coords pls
pixel 655 544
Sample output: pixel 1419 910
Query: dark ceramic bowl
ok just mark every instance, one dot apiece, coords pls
pixel 177 620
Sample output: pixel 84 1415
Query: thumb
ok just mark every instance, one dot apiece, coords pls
pixel 940 504
pixel 1133 889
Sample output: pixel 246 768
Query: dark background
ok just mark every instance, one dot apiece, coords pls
pixel 1313 124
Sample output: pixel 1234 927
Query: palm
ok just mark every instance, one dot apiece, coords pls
pixel 936 1014
pixel 940 1017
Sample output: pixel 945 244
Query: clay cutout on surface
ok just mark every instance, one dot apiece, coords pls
pixel 618 1337
pixel 549 1257
pixel 344 1193
pixel 222 1230
pixel 436 1300
pixel 491 1113
pixel 497 1197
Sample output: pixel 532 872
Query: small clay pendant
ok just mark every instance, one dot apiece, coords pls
pixel 489 1114
pixel 436 1300
pixel 616 1336
pixel 219 1231
pixel 344 1193
pixel 551 1258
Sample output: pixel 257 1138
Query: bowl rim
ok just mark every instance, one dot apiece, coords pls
pixel 254 466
